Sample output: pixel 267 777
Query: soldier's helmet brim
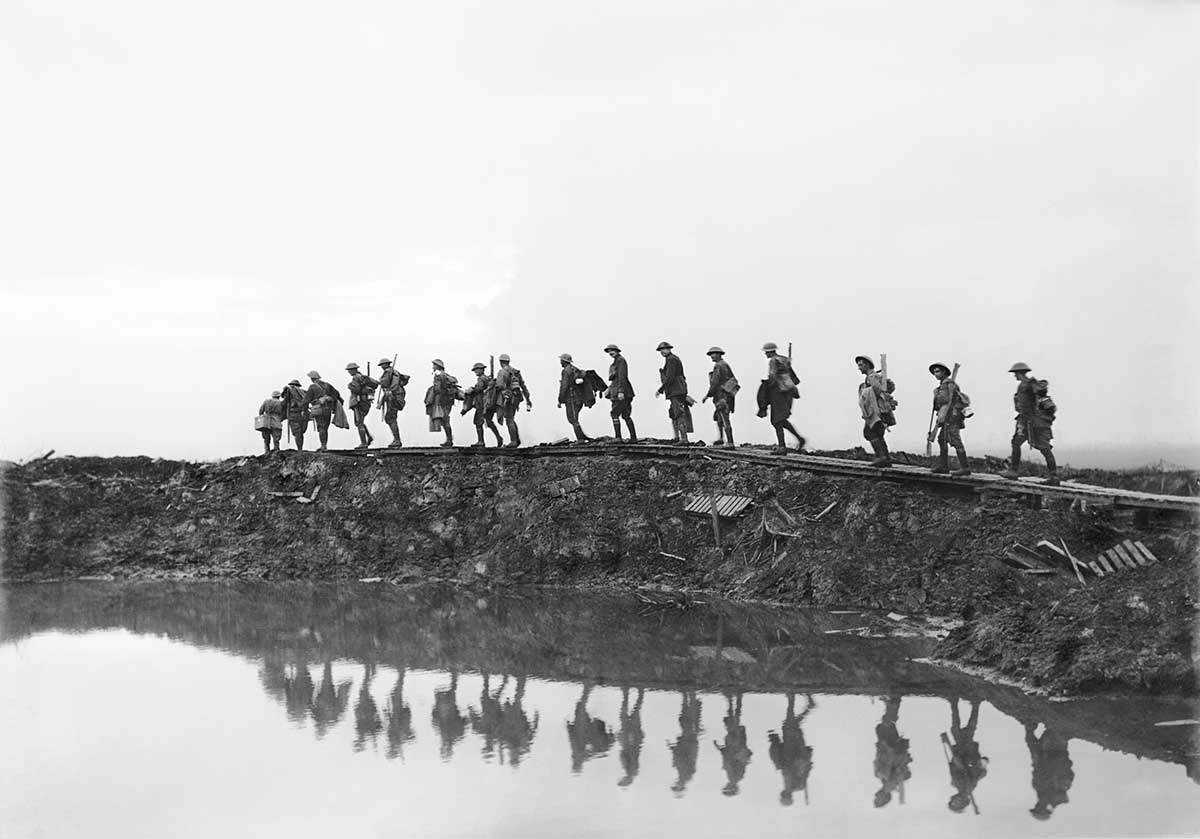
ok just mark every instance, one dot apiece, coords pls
pixel 274 394
pixel 313 374
pixel 295 382
pixel 505 357
pixel 870 362
pixel 351 366
pixel 715 351
pixel 770 345
pixel 437 362
pixel 385 362
pixel 612 347
pixel 937 365
pixel 478 366
pixel 565 357
pixel 663 345
pixel 1020 367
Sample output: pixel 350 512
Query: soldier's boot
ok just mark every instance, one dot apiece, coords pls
pixel 1052 468
pixel 513 434
pixel 720 441
pixel 800 441
pixel 449 436
pixel 395 429
pixel 941 466
pixel 266 447
pixel 632 431
pixel 780 447
pixel 323 436
pixel 275 445
pixel 299 442
pixel 495 431
pixel 617 429
pixel 964 468
pixel 728 434
pixel 362 438
pixel 370 436
pixel 683 440
pixel 883 458
pixel 579 435
pixel 478 444
pixel 1014 465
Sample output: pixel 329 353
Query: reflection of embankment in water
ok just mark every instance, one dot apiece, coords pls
pixel 586 638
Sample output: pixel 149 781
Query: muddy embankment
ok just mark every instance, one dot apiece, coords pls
pixel 618 522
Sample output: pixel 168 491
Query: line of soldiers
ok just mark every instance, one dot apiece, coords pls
pixel 497 395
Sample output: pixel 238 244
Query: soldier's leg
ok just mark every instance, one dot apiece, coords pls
pixel 942 465
pixel 323 433
pixel 488 417
pixel 874 434
pixel 276 436
pixel 779 444
pixel 728 429
pixel 479 443
pixel 633 438
pixel 573 416
pixel 298 433
pixel 266 435
pixel 681 420
pixel 799 438
pixel 1018 439
pixel 720 427
pixel 449 432
pixel 955 438
pixel 615 415
pixel 1042 442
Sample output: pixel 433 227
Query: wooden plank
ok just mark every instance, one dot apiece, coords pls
pixel 1096 569
pixel 1135 553
pixel 1105 564
pixel 1074 562
pixel 1118 561
pixel 1141 547
pixel 1129 561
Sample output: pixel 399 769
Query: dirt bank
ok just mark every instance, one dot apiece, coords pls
pixel 619 522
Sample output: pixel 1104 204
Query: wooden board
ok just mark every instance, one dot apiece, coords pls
pixel 1141 547
pixel 1129 561
pixel 1095 567
pixel 1105 564
pixel 1135 553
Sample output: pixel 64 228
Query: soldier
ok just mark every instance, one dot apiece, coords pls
pixel 967 765
pixel 295 408
pixel 391 398
pixel 620 391
pixel 875 402
pixel 482 397
pixel 1035 414
pixel 510 390
pixel 323 399
pixel 570 393
pixel 362 391
pixel 722 386
pixel 439 401
pixel 789 751
pixel 892 754
pixel 1052 770
pixel 270 414
pixel 674 388
pixel 948 404
pixel 777 393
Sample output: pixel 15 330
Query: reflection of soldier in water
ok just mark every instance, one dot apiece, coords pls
pixel 789 752
pixel 891 754
pixel 399 720
pixel 1052 772
pixel 516 731
pixel 967 766
pixel 686 748
pixel 450 724
pixel 631 736
pixel 330 702
pixel 486 721
pixel 367 724
pixel 735 754
pixel 272 675
pixel 588 737
pixel 298 693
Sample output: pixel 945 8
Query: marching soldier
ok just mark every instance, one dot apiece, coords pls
pixel 948 404
pixel 391 398
pixel 1035 414
pixel 439 401
pixel 876 405
pixel 362 391
pixel 570 393
pixel 481 397
pixel 270 414
pixel 323 399
pixel 620 391
pixel 295 408
pixel 722 386
pixel 674 388
pixel 780 391
pixel 510 391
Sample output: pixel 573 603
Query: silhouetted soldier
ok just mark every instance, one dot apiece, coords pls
pixel 295 408
pixel 570 393
pixel 486 721
pixel 516 729
pixel 948 408
pixel 362 392
pixel 674 388
pixel 735 754
pixel 367 724
pixel 1052 772
pixel 439 401
pixel 588 736
pixel 510 391
pixel 270 414
pixel 449 722
pixel 272 675
pixel 790 753
pixel 631 736
pixel 892 756
pixel 722 388
pixel 779 390
pixel 481 397
pixel 967 766
pixel 878 410
pixel 298 692
pixel 392 398
pixel 620 392
pixel 322 401
pixel 399 720
pixel 330 702
pixel 686 748
pixel 1035 416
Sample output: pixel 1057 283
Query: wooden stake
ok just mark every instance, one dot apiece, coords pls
pixel 716 520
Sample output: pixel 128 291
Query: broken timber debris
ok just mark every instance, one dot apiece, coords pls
pixel 727 506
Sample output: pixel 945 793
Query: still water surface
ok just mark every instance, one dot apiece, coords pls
pixel 159 710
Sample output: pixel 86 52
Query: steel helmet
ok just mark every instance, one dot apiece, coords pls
pixel 715 351
pixel 274 394
pixel 437 362
pixel 663 345
pixel 937 365
pixel 1020 367
pixel 565 357
pixel 478 365
pixel 351 366
pixel 385 362
pixel 504 357
pixel 313 374
pixel 870 362
pixel 612 347
pixel 770 345
pixel 295 382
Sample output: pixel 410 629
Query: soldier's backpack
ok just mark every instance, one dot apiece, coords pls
pixel 1044 404
pixel 592 385
pixel 888 403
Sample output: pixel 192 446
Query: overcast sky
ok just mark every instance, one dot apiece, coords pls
pixel 202 200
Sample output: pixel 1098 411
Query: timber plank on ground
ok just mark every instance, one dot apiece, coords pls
pixel 817 464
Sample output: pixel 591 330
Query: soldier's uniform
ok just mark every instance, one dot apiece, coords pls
pixel 481 397
pixel 322 400
pixel 510 391
pixel 439 401
pixel 392 397
pixel 722 388
pixel 272 409
pixel 295 408
pixel 948 408
pixel 1032 425
pixel 776 395
pixel 1052 770
pixel 570 393
pixel 620 392
pixel 674 388
pixel 362 392
pixel 875 404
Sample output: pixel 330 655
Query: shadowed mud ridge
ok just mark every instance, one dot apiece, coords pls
pixel 612 522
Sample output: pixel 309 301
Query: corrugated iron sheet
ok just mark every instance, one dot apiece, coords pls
pixel 728 506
